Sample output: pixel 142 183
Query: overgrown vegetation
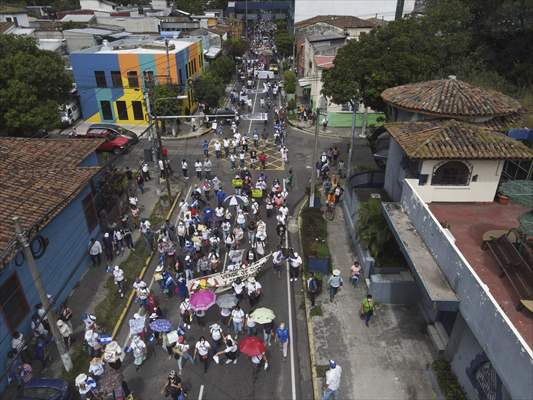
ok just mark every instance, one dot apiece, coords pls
pixel 316 311
pixel 448 383
pixel 315 234
pixel 235 47
pixel 374 233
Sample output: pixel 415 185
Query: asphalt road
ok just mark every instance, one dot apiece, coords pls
pixel 285 379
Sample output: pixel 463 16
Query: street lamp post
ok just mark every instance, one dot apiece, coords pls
pixel 158 154
pixel 315 154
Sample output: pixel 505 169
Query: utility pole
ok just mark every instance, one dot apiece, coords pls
pixel 399 9
pixel 315 155
pixel 352 140
pixel 167 178
pixel 169 80
pixel 61 349
pixel 151 126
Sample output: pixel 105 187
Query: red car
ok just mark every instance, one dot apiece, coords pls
pixel 113 143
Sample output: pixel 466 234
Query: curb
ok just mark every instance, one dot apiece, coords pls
pixel 126 308
pixel 307 132
pixel 188 136
pixel 308 318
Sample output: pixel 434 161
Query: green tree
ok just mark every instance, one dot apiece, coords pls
pixel 164 100
pixel 235 47
pixel 208 89
pixel 223 67
pixel 289 82
pixel 372 228
pixel 33 84
pixel 191 6
pixel 408 50
pixel 284 42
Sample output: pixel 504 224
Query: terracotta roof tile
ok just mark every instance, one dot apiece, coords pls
pixel 340 21
pixel 450 98
pixel 452 139
pixel 38 179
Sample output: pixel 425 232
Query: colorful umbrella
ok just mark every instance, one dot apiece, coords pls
pixel 262 315
pixel 202 300
pixel 161 325
pixel 227 300
pixel 252 346
pixel 235 200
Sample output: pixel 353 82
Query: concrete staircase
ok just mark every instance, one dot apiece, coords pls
pixel 438 337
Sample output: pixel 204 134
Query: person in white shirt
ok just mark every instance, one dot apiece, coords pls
pixel 218 148
pixel 216 335
pixel 133 200
pixel 161 164
pixel 294 263
pixel 95 251
pixel 237 318
pixel 65 331
pixel 230 352
pixel 186 313
pixel 182 350
pixel 202 349
pixel 333 380
pixel 118 277
pixel 198 169
pixel 277 261
pixel 253 290
pixel 238 288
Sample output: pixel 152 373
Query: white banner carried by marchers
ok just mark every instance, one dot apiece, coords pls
pixel 222 281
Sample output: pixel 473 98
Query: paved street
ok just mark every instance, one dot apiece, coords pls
pixel 284 377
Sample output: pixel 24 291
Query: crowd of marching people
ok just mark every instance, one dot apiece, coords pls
pixel 221 227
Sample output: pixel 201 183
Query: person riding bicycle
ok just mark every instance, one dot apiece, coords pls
pixel 331 199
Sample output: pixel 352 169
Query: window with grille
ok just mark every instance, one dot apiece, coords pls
pixel 13 303
pixel 133 79
pixel 99 76
pixel 107 113
pixel 451 173
pixel 89 210
pixel 122 110
pixel 116 79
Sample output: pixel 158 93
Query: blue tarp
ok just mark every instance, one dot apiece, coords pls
pixel 521 134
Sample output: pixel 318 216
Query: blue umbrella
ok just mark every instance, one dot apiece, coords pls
pixel 161 325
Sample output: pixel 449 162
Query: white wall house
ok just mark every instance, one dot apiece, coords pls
pixel 448 160
pixel 18 17
pixel 98 5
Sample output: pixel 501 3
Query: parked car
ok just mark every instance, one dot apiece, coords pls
pixel 45 389
pixel 117 129
pixel 113 142
pixel 227 113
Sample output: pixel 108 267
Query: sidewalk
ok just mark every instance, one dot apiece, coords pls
pixel 309 128
pixel 91 290
pixel 388 360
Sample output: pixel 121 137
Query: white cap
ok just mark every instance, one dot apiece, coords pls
pixel 117 267
pixel 80 379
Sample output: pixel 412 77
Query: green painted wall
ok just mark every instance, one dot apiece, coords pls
pixel 343 119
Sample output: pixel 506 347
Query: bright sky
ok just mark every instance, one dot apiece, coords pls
pixel 359 8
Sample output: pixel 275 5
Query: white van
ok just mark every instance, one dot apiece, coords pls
pixel 69 113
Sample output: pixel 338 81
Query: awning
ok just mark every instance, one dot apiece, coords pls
pixel 423 266
pixel 304 82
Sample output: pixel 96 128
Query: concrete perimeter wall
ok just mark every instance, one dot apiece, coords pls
pixel 507 351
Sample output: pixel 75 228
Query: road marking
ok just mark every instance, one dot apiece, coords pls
pixel 291 339
pixel 201 394
pixel 253 106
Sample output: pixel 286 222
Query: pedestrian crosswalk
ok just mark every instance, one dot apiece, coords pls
pixel 273 161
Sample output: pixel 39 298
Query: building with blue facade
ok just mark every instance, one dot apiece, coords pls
pixel 48 185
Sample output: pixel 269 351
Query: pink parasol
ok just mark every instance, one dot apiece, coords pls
pixel 202 300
